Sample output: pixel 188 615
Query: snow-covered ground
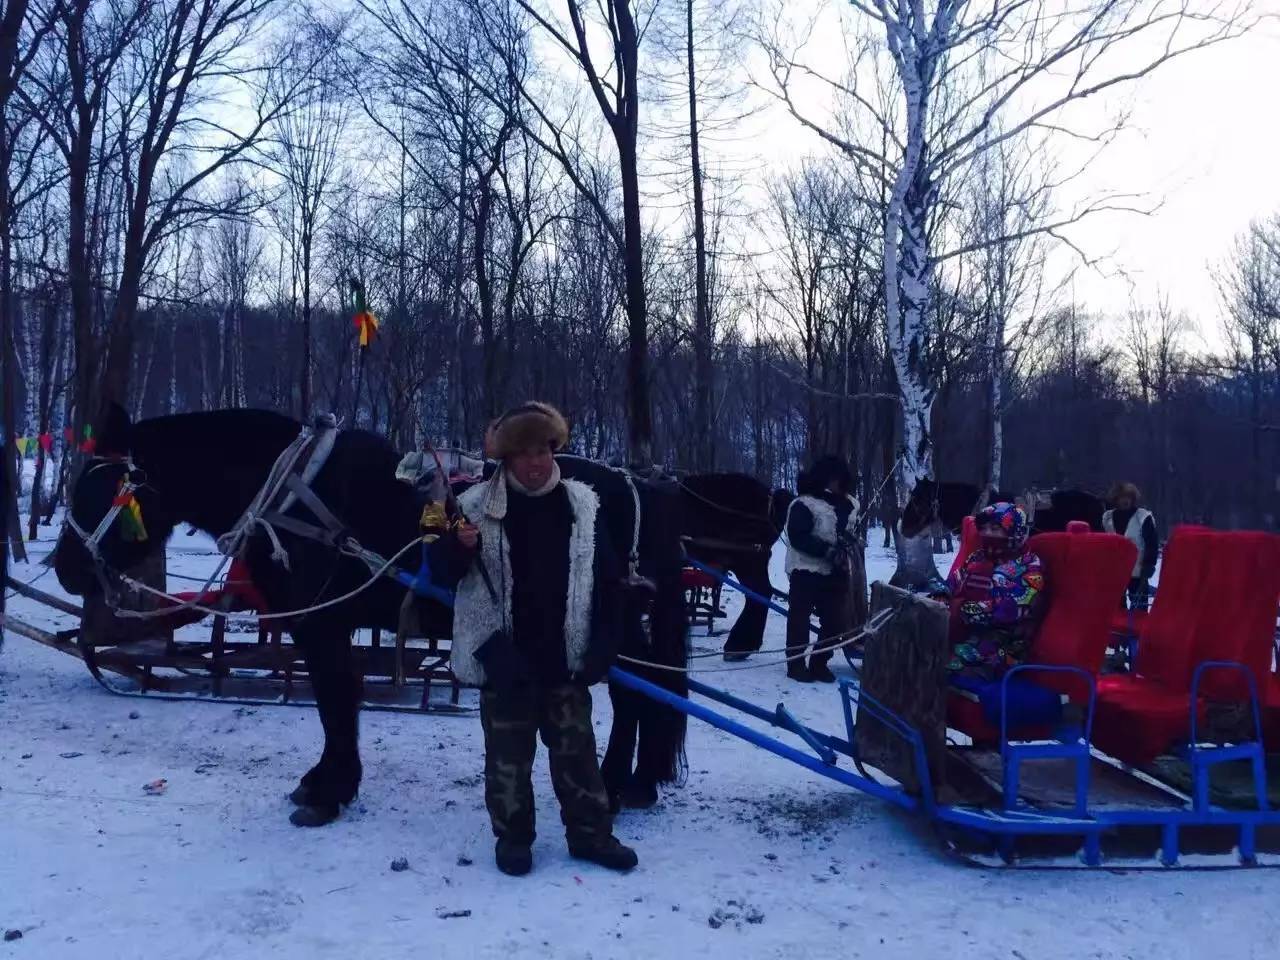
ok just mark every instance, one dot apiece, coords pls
pixel 752 857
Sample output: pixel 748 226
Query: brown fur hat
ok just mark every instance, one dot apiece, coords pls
pixel 526 427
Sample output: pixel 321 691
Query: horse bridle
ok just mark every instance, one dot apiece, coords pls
pixel 92 541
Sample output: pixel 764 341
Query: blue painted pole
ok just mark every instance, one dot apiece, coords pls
pixel 768 716
pixel 893 795
pixel 746 591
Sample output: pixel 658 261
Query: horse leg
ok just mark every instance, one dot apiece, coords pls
pixel 660 729
pixel 334 781
pixel 616 766
pixel 747 634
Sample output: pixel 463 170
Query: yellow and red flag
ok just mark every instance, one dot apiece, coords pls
pixel 365 320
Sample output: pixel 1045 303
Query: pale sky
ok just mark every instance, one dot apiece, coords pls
pixel 1203 143
pixel 1207 141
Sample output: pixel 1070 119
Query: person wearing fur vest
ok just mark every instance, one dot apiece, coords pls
pixel 536 617
pixel 1128 518
pixel 823 553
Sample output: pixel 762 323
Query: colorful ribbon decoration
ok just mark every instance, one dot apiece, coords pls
pixel 131 525
pixel 365 320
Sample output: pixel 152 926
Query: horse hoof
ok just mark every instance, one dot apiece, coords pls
pixel 639 796
pixel 315 815
pixel 303 796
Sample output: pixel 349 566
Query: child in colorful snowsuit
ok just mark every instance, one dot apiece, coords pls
pixel 995 597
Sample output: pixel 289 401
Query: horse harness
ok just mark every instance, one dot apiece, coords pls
pixel 289 483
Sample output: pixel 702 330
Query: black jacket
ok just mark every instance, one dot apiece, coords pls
pixel 1150 540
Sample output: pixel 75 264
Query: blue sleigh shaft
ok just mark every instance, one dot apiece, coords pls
pixel 744 590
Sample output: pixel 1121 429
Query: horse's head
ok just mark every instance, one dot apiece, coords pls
pixel 115 512
pixel 922 508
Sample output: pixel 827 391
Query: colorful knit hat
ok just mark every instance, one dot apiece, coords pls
pixel 1008 516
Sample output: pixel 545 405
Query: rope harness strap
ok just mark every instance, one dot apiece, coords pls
pixel 290 477
pixel 315 444
pixel 830 644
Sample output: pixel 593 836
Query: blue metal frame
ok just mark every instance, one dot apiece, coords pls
pixel 1004 825
pixel 421 583
pixel 1013 754
pixel 1203 758
pixel 894 795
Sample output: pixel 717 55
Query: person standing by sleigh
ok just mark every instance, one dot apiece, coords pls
pixel 537 614
pixel 824 559
pixel 1128 518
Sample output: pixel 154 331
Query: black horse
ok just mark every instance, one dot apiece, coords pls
pixel 1064 507
pixel 947 502
pixel 204 469
pixel 729 523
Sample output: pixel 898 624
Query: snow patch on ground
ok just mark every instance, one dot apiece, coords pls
pixel 752 857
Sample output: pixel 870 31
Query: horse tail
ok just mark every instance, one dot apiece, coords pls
pixel 660 756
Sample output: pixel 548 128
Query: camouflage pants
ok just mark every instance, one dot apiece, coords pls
pixel 512 722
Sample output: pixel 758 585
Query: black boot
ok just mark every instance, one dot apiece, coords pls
pixel 513 858
pixel 797 670
pixel 606 851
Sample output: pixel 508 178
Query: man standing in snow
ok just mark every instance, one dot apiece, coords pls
pixel 535 621
pixel 822 550
pixel 1127 518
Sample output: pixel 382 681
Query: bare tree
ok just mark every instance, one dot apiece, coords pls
pixel 1249 285
pixel 604 45
pixel 23 30
pixel 1154 342
pixel 1009 194
pixel 938 108
pixel 237 256
pixel 307 157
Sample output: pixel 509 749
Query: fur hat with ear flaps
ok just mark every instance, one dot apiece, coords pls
pixel 530 426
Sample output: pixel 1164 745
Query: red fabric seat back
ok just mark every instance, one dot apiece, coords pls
pixel 240 586
pixel 1078 526
pixel 969 542
pixel 1167 644
pixel 1240 617
pixel 1084 574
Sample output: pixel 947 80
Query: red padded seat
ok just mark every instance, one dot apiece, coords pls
pixel 1217 601
pixel 1084 572
pixel 237 593
pixel 969 542
pixel 1128 623
pixel 1271 711
pixel 692 579
pixel 1242 621
pixel 1137 719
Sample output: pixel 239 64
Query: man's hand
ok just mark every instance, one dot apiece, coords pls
pixel 468 536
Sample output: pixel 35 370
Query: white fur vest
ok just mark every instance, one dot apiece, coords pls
pixel 824 529
pixel 475 614
pixel 1132 532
